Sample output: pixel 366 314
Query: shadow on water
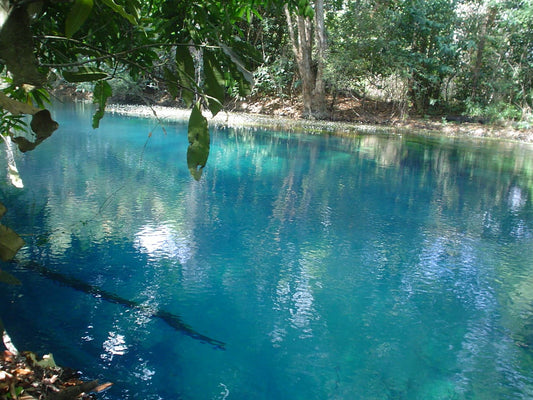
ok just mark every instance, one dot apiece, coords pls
pixel 170 319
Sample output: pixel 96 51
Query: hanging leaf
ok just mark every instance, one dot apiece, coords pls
pixel 41 97
pixel 84 74
pixel 238 63
pixel 214 83
pixel 184 62
pixel 185 74
pixel 43 124
pixel 244 86
pixel 171 82
pixel 10 243
pixel 102 91
pixel 77 15
pixel 6 277
pixel 120 10
pixel 198 136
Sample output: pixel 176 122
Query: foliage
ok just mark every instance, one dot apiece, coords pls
pixel 358 51
pixel 277 78
pixel 409 38
pixel 195 49
pixel 11 123
pixel 495 112
pixel 198 136
pixel 150 40
pixel 428 50
pixel 448 52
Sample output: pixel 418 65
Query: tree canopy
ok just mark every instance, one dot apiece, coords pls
pixel 471 57
pixel 466 57
pixel 196 49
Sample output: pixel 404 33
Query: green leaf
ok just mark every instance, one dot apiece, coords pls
pixel 10 243
pixel 17 391
pixel 102 91
pixel 120 10
pixel 309 12
pixel 185 73
pixel 171 82
pixel 184 62
pixel 6 277
pixel 238 63
pixel 40 97
pixel 214 83
pixel 199 139
pixel 84 74
pixel 239 67
pixel 244 86
pixel 77 15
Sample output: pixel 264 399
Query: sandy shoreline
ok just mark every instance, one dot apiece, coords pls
pixel 418 127
pixel 237 119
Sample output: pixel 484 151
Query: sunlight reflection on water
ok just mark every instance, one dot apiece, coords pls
pixel 163 241
pixel 366 267
pixel 115 345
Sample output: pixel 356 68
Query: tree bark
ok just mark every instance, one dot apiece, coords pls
pixel 16 46
pixel 310 71
pixel 483 34
pixel 319 94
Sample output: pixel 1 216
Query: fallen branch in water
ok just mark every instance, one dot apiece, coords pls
pixel 170 319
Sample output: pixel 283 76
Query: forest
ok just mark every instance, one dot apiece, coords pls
pixel 453 60
pixel 471 60
pixel 462 61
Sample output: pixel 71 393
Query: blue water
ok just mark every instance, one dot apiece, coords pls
pixel 370 267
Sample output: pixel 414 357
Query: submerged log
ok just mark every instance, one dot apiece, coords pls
pixel 170 319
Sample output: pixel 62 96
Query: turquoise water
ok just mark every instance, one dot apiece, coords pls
pixel 299 267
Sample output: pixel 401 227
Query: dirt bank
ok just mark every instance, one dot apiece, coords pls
pixel 348 115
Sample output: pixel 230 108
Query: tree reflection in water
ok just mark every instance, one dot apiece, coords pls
pixel 367 266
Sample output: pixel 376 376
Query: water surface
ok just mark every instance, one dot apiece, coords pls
pixel 371 267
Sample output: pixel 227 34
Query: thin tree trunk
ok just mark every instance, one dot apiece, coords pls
pixel 306 70
pixel 319 94
pixel 476 71
pixel 302 45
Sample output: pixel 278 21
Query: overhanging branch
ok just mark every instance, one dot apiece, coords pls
pixel 118 55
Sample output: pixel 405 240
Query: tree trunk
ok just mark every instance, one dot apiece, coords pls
pixel 319 95
pixel 313 92
pixel 483 34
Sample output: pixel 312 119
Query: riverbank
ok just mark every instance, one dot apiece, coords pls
pixel 23 377
pixel 279 122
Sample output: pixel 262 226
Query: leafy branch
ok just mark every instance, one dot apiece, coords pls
pixel 117 55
